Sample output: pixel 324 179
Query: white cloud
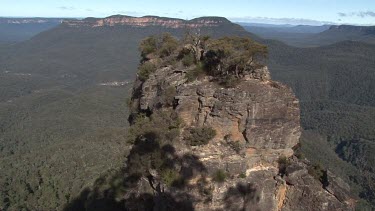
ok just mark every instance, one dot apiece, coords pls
pixel 362 14
pixel 66 8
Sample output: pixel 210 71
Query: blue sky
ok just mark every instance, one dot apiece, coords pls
pixel 266 11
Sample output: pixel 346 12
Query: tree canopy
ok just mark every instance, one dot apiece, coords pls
pixel 234 56
pixel 223 58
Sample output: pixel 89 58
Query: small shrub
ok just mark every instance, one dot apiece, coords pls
pixel 319 173
pixel 236 146
pixel 164 125
pixel 205 189
pixel 200 136
pixel 195 73
pixel 229 81
pixel 188 60
pixel 168 45
pixel 168 96
pixel 169 176
pixel 316 171
pixel 219 176
pixel 145 70
pixel 148 46
pixel 298 151
pixel 158 46
pixel 242 175
pixel 170 61
pixel 129 103
pixel 228 138
pixel 283 164
pixel 299 155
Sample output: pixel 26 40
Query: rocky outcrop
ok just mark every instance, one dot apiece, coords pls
pixel 146 21
pixel 256 122
pixel 304 192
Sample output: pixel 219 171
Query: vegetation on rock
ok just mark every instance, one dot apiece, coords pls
pixel 163 126
pixel 145 70
pixel 219 176
pixel 283 165
pixel 200 136
pixel 227 59
pixel 233 56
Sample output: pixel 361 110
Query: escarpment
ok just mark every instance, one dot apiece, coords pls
pixel 146 21
pixel 212 131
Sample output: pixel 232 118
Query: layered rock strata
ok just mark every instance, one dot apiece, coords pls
pixel 261 118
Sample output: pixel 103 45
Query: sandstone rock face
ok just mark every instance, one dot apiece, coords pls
pixel 146 21
pixel 262 118
pixel 304 192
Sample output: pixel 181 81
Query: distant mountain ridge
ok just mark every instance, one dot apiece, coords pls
pixel 120 20
pixel 351 28
pixel 314 36
pixel 271 28
pixel 344 33
pixel 29 20
pixel 20 29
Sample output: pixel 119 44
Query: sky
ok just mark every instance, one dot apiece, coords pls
pixel 312 12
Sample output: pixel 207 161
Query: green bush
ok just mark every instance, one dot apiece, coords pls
pixel 145 70
pixel 168 96
pixel 236 146
pixel 160 46
pixel 195 73
pixel 148 46
pixel 319 173
pixel 129 103
pixel 242 175
pixel 168 45
pixel 188 60
pixel 205 188
pixel 229 81
pixel 299 155
pixel 283 164
pixel 170 61
pixel 200 136
pixel 234 56
pixel 169 176
pixel 219 176
pixel 165 125
pixel 316 171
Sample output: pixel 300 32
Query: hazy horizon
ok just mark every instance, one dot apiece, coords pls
pixel 255 21
pixel 293 12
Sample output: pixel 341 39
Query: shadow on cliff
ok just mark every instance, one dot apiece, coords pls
pixel 242 197
pixel 136 187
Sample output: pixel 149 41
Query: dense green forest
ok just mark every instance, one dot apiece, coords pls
pixel 55 143
pixel 335 85
pixel 60 129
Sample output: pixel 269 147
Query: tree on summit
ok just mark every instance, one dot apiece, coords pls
pixel 234 56
pixel 227 59
pixel 161 46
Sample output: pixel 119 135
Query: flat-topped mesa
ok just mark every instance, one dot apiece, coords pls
pixel 146 21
